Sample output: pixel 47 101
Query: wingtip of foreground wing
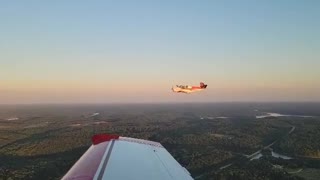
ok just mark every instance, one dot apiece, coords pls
pixel 99 138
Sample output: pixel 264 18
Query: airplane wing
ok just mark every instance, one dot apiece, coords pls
pixel 122 158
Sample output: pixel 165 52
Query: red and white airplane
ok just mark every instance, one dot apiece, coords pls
pixel 112 157
pixel 189 89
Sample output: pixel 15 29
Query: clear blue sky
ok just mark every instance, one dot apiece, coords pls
pixel 127 51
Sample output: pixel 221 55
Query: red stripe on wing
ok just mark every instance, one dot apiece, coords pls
pixel 99 138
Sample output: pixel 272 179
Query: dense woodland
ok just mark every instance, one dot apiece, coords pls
pixel 45 141
pixel 304 142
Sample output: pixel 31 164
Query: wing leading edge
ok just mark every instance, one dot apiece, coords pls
pixel 124 158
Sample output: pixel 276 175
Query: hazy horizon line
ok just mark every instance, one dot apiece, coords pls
pixel 187 102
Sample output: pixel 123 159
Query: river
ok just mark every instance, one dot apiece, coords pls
pixel 274 154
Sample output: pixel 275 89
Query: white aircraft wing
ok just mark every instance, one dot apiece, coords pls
pixel 121 158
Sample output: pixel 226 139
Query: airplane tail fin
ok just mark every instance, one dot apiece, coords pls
pixel 202 85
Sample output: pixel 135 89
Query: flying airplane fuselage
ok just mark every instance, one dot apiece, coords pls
pixel 189 89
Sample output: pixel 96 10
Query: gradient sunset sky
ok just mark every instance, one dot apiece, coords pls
pixel 135 50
